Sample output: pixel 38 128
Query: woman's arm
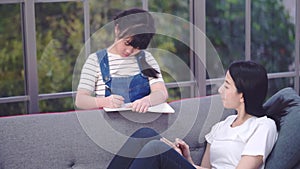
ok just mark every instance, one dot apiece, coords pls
pixel 206 157
pixel 259 145
pixel 199 167
pixel 84 100
pixel 158 95
pixel 250 162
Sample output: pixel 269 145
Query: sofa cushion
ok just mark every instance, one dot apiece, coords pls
pixel 75 140
pixel 286 152
pixel 47 141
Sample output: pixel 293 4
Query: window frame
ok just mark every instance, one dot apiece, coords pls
pixel 197 15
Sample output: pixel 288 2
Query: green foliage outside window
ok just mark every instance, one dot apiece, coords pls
pixel 272 34
pixel 59 36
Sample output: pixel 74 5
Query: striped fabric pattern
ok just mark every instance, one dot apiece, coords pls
pixel 91 77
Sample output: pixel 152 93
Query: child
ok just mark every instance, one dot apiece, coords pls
pixel 124 72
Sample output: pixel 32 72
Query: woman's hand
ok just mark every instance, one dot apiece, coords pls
pixel 185 149
pixel 114 101
pixel 173 145
pixel 180 146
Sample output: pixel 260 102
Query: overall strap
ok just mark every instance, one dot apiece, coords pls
pixel 103 63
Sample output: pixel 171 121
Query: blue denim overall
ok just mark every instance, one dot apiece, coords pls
pixel 131 87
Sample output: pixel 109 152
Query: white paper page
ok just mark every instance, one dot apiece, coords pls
pixel 160 108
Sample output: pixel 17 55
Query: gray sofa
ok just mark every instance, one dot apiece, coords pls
pixel 88 139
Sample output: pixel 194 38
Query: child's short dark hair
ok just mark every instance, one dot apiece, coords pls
pixel 137 24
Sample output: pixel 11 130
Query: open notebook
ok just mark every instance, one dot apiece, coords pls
pixel 160 108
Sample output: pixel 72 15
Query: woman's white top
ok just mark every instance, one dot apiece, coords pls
pixel 91 76
pixel 256 136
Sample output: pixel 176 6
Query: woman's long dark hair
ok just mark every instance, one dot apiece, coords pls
pixel 251 79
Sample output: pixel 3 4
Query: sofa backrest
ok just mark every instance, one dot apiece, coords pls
pixel 89 139
pixel 286 152
pixel 77 140
pixel 46 141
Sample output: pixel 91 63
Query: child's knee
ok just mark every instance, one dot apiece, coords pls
pixel 144 133
pixel 154 148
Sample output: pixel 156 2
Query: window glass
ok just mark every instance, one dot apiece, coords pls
pixel 61 105
pixel 225 28
pixel 101 30
pixel 11 51
pixel 225 31
pixel 273 38
pixel 273 34
pixel 11 59
pixel 59 30
pixel 102 12
pixel 60 40
pixel 213 88
pixel 178 93
pixel 101 21
pixel 171 44
pixel 178 8
pixel 16 108
pixel 279 83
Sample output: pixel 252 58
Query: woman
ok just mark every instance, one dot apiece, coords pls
pixel 124 72
pixel 241 141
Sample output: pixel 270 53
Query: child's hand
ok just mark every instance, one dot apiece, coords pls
pixel 114 101
pixel 141 105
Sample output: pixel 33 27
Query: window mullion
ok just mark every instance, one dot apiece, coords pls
pixel 297 46
pixel 30 58
pixel 248 30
